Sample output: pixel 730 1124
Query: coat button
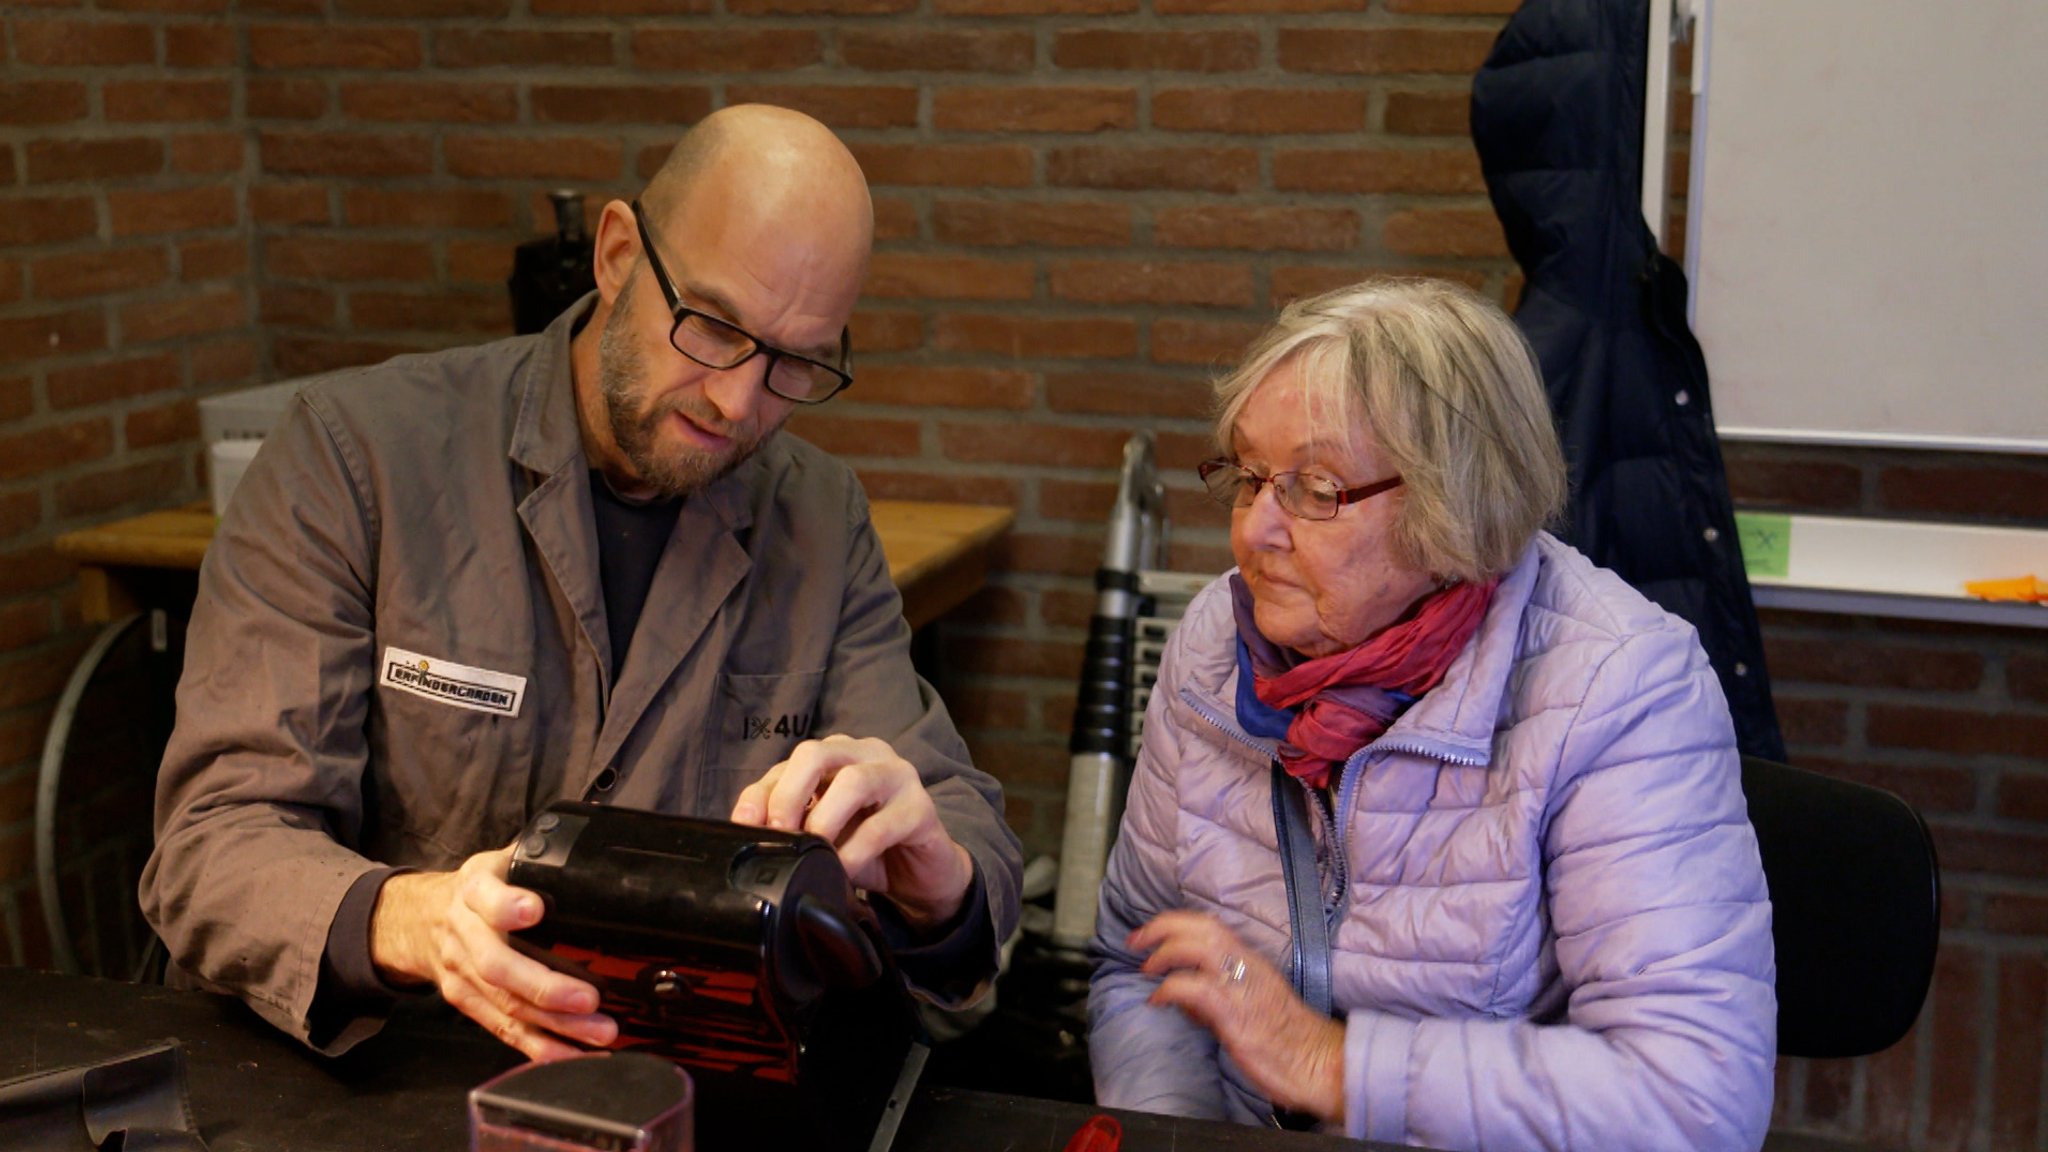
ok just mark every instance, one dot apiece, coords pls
pixel 1683 398
pixel 605 780
pixel 1741 669
pixel 1712 534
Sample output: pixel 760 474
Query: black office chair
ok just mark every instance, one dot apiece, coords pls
pixel 1855 908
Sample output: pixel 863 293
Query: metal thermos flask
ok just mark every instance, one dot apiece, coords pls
pixel 554 272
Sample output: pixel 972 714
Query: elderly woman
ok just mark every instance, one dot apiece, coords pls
pixel 1512 782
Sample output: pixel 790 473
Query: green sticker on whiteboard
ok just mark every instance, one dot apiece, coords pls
pixel 1766 543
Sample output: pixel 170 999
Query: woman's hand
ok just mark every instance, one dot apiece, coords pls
pixel 1294 1056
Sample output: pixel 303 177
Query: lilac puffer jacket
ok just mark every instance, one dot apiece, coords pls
pixel 1549 924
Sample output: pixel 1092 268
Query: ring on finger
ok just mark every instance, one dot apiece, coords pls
pixel 1232 969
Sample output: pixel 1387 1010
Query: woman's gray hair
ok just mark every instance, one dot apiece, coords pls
pixel 1449 393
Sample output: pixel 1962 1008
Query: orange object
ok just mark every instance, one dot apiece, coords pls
pixel 1101 1133
pixel 2019 588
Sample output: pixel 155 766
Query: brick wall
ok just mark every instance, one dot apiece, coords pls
pixel 1084 207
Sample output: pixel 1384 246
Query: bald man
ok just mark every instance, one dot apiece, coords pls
pixel 582 564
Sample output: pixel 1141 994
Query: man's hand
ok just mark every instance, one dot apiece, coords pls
pixel 1293 1055
pixel 870 804
pixel 448 929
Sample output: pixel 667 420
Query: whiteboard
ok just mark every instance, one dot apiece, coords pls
pixel 1867 229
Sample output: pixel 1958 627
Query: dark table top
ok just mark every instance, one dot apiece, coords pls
pixel 253 1088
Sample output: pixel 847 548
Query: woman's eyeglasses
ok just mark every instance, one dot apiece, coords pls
pixel 1300 494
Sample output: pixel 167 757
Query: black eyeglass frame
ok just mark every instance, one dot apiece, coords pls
pixel 755 345
pixel 1344 496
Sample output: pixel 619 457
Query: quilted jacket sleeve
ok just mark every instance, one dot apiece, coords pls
pixel 1146 1058
pixel 1656 895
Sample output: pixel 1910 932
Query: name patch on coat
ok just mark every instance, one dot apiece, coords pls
pixel 478 689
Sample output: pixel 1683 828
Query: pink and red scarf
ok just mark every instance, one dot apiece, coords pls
pixel 1322 709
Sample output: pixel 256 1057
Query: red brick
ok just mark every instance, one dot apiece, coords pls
pixel 1958 732
pixel 1366 171
pixel 1031 337
pixel 898 275
pixel 1975 491
pixel 1012 223
pixel 1445 232
pixel 307 8
pixel 1142 51
pixel 1840 660
pixel 100 271
pixel 2016 913
pixel 966 489
pixel 50 448
pixel 1829 1086
pixel 98 492
pixel 534 157
pixel 727 49
pixel 1381 51
pixel 896 219
pixel 1774 476
pixel 1007 442
pixel 1085 502
pixel 17 397
pixel 297 306
pixel 818 7
pixel 1198 283
pixel 236 359
pixel 620 104
pixel 839 105
pixel 23 623
pixel 951 50
pixel 1957 1015
pixel 115 380
pixel 199 45
pixel 310 355
pixel 279 204
pixel 2023 796
pixel 2021 854
pixel 1150 394
pixel 209 153
pixel 1034 7
pixel 42 102
pixel 38 337
pixel 192 314
pixel 330 45
pixel 479 261
pixel 1060 109
pixel 2016 1055
pixel 1255 7
pixel 164 424
pixel 467 313
pixel 950 165
pixel 146 212
pixel 1810 721
pixel 464 48
pixel 1455 7
pixel 214 258
pixel 425 9
pixel 844 435
pixel 336 257
pixel 1209 342
pixel 1891 1080
pixel 1289 229
pixel 405 100
pixel 1927 786
pixel 979 706
pixel 12 275
pixel 618 7
pixel 1179 169
pixel 1265 111
pixel 430 208
pixel 886 331
pixel 1190 512
pixel 313 153
pixel 152 101
pixel 50 161
pixel 1012 762
pixel 43 220
pixel 82 43
pixel 286 98
pixel 1430 113
pixel 2026 677
pixel 946 386
pixel 184 7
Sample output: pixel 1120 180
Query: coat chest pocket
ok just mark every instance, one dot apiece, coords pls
pixel 756 721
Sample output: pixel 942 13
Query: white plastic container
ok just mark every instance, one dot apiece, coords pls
pixel 232 425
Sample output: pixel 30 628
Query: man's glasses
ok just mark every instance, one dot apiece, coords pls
pixel 1301 494
pixel 720 344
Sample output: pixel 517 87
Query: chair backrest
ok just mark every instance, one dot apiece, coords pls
pixel 1855 908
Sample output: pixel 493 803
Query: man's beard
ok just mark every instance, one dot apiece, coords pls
pixel 619 376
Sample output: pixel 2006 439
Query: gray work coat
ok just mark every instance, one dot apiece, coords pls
pixel 399 654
